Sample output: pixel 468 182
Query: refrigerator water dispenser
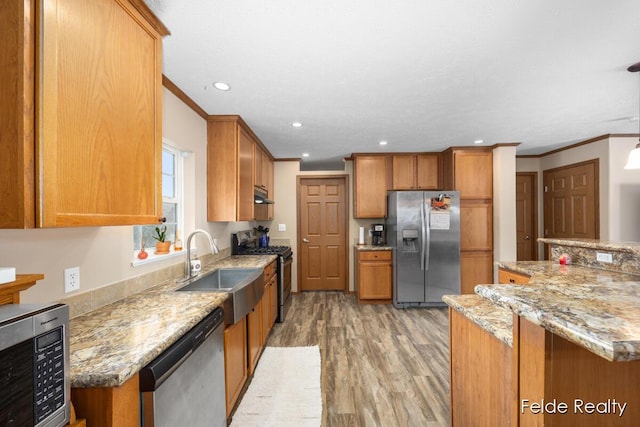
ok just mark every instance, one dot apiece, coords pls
pixel 410 241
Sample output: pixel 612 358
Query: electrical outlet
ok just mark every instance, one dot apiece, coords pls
pixel 604 257
pixel 282 227
pixel 71 279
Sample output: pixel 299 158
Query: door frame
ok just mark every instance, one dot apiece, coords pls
pixel 534 213
pixel 345 178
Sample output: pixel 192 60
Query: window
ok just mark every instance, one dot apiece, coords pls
pixel 172 208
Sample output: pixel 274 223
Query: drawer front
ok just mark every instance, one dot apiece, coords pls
pixel 510 277
pixel 375 256
pixel 269 271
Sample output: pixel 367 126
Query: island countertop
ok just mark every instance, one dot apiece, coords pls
pixel 553 272
pixel 603 318
pixel 110 345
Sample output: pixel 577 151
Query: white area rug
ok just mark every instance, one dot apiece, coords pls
pixel 285 390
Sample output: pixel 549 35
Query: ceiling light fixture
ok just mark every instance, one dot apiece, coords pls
pixel 305 154
pixel 478 141
pixel 296 124
pixel 222 86
pixel 383 142
pixel 633 162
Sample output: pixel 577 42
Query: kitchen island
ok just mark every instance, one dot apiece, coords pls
pixel 109 346
pixel 574 355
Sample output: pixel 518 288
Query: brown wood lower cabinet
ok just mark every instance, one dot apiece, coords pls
pixel 475 268
pixel 511 277
pixel 235 361
pixel 481 375
pixel 374 276
pixel 553 370
pixel 109 406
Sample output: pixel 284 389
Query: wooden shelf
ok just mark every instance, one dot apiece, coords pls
pixel 10 292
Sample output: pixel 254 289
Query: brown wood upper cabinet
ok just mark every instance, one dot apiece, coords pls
pixel 232 170
pixel 94 118
pixel 415 171
pixel 371 181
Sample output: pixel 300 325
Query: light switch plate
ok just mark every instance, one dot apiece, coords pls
pixel 282 227
pixel 604 257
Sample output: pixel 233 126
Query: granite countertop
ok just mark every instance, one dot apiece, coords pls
pixel 554 272
pixel 630 247
pixel 110 345
pixel 604 319
pixel 373 248
pixel 497 321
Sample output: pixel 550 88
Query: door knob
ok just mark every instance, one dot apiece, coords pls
pixel 527 237
pixel 305 240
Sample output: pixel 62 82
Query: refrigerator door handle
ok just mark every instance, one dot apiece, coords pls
pixel 427 244
pixel 423 237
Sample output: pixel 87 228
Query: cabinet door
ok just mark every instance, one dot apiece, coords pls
pixel 427 171
pixel 274 299
pixel 254 336
pixel 473 174
pixel 370 181
pixel 374 279
pixel 245 178
pixel 476 226
pixel 404 172
pixel 258 162
pixel 269 166
pixel 475 268
pixel 266 313
pixel 99 114
pixel 235 361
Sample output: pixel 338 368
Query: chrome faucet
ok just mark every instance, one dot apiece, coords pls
pixel 214 250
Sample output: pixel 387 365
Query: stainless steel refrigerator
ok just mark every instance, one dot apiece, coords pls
pixel 423 227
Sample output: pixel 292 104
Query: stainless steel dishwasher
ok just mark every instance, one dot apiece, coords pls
pixel 184 386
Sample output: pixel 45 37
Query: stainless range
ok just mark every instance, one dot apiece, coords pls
pixel 246 243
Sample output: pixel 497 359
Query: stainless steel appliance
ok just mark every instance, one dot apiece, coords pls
pixel 423 227
pixel 377 235
pixel 184 386
pixel 34 356
pixel 246 243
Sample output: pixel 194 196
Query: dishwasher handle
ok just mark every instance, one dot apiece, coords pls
pixel 159 369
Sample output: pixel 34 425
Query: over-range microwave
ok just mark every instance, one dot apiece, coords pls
pixel 34 361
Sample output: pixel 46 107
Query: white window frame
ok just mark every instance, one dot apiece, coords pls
pixel 178 199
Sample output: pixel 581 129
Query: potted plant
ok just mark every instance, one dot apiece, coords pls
pixel 160 234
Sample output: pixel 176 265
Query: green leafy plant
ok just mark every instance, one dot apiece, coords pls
pixel 160 232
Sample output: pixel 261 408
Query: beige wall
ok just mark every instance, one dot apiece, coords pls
pixel 104 253
pixel 504 205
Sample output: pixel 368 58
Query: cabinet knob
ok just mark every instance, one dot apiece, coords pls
pixel 512 281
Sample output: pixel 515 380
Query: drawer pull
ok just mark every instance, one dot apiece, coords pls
pixel 512 281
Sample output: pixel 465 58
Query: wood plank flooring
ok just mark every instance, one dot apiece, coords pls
pixel 381 366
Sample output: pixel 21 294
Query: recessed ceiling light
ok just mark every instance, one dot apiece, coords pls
pixel 296 124
pixel 305 154
pixel 383 142
pixel 478 141
pixel 222 86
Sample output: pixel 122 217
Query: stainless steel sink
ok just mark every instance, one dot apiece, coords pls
pixel 245 286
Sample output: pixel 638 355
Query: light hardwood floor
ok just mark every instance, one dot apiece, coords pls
pixel 381 366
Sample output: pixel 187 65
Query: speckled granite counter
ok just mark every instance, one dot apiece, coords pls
pixel 495 320
pixel 372 248
pixel 553 272
pixel 629 247
pixel 109 345
pixel 603 318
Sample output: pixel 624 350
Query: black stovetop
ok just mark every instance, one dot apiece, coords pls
pixel 247 243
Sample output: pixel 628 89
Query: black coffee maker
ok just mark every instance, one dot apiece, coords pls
pixel 377 235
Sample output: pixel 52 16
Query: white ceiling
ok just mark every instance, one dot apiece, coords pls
pixel 421 74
